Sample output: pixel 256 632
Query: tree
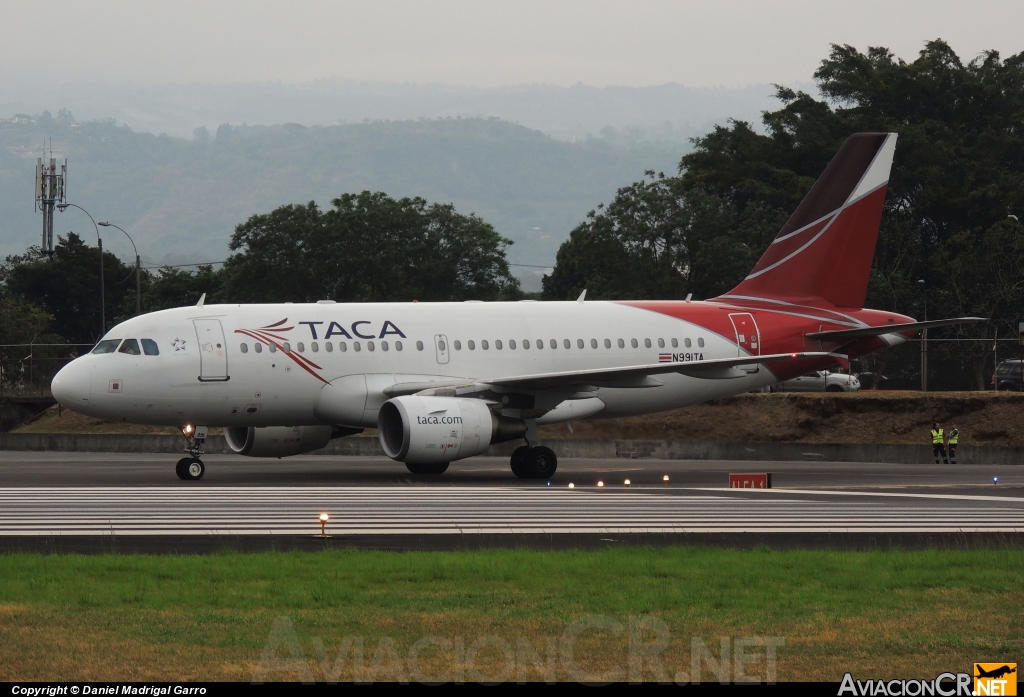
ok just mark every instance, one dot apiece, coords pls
pixel 68 286
pixel 369 247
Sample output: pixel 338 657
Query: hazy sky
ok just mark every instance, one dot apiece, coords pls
pixel 478 42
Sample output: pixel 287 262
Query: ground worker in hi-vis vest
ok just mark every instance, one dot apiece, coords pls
pixel 954 438
pixel 938 446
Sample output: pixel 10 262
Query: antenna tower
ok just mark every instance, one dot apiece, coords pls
pixel 50 190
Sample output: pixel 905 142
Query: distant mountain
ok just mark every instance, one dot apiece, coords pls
pixel 665 112
pixel 180 199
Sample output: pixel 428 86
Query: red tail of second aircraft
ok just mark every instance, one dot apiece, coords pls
pixel 823 255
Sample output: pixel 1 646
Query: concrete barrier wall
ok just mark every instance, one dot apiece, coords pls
pixel 630 449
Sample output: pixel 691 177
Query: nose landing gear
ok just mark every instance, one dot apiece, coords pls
pixel 192 468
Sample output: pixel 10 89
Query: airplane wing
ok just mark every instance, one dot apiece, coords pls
pixel 642 375
pixel 840 334
pixel 637 376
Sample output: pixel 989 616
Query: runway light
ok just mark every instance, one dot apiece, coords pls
pixel 995 481
pixel 323 525
pixel 665 480
pixel 600 484
pixel 626 483
pixel 571 485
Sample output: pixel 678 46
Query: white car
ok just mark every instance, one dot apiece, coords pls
pixel 820 381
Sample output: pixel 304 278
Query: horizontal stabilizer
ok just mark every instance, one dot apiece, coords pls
pixel 841 334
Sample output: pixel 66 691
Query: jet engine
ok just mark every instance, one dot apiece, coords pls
pixel 277 441
pixel 425 430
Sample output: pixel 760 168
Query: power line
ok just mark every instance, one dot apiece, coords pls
pixel 211 263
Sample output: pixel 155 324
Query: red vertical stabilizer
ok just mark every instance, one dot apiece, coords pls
pixel 823 254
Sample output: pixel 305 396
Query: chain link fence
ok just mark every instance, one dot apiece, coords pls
pixel 26 370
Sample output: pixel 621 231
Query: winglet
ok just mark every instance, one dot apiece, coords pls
pixel 582 295
pixel 202 301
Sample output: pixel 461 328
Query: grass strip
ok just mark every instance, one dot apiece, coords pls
pixel 877 614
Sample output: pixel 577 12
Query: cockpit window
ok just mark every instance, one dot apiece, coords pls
pixel 149 347
pixel 131 347
pixel 107 346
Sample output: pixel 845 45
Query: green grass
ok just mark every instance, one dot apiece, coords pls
pixel 901 613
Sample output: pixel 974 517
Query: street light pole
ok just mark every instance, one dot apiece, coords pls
pixel 138 266
pixel 99 241
pixel 924 340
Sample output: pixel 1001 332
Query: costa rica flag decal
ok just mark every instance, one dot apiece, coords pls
pixel 664 358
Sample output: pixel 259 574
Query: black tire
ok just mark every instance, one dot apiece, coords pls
pixel 426 468
pixel 179 469
pixel 194 469
pixel 517 461
pixel 834 388
pixel 539 462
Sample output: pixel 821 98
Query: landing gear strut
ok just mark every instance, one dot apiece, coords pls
pixel 192 468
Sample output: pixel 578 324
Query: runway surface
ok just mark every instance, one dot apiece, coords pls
pixel 474 510
pixel 95 495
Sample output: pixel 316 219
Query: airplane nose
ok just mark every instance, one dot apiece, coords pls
pixel 70 386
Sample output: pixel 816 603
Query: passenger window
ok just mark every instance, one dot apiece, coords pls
pixel 258 347
pixel 286 347
pixel 687 342
pixel 497 344
pixel 700 343
pixel 244 348
pixel 526 344
pixel 579 343
pixel 675 343
pixel 566 343
pixel 313 346
pixel 419 345
pixel 383 346
pixel 131 347
pixel 356 346
pixel 633 343
pixel 647 343
pixel 484 345
pixel 329 346
pixel 471 345
pixel 593 343
pixel 398 345
pixel 661 343
pixel 554 344
pixel 511 344
pixel 540 344
pixel 622 344
pixel 342 346
pixel 150 348
pixel 440 345
pixel 370 346
pixel 107 346
pixel 302 347
pixel 458 345
pixel 607 343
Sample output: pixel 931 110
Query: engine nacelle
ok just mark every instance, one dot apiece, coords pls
pixel 441 429
pixel 277 441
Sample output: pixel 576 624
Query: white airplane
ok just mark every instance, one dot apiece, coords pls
pixel 443 381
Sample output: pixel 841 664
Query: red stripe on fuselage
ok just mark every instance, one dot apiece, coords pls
pixel 782 327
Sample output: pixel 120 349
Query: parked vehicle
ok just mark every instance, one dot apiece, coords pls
pixel 1008 375
pixel 821 381
pixel 867 381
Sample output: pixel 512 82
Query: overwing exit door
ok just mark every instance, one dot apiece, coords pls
pixel 748 338
pixel 442 348
pixel 213 353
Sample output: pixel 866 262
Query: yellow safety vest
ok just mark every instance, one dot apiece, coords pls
pixel 936 437
pixel 954 436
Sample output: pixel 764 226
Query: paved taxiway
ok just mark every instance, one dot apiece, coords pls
pixel 95 495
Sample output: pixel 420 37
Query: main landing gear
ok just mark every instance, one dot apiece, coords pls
pixel 534 462
pixel 192 468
